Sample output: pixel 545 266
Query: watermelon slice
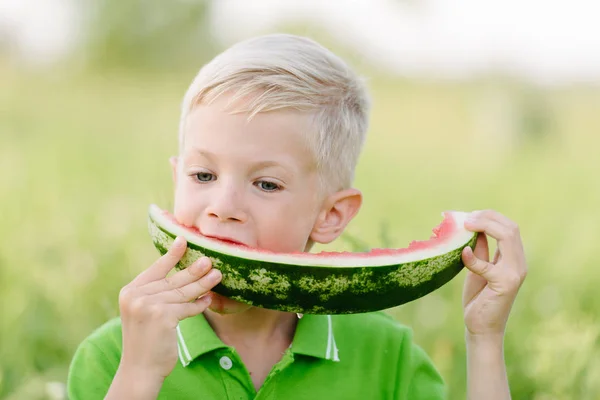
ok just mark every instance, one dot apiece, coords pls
pixel 326 282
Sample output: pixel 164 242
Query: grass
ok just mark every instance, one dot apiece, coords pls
pixel 83 155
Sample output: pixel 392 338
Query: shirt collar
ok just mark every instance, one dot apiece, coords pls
pixel 196 337
pixel 314 337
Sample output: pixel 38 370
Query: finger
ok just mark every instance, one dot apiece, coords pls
pixel 480 267
pixel 494 216
pixel 191 309
pixel 473 284
pixel 487 226
pixel 192 290
pixel 503 227
pixel 508 237
pixel 497 256
pixel 164 264
pixel 184 277
pixel 482 250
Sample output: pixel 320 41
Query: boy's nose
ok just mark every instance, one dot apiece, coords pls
pixel 227 206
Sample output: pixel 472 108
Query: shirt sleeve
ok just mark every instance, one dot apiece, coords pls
pixel 419 378
pixel 91 372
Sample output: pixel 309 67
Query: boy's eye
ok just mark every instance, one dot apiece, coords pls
pixel 204 176
pixel 268 186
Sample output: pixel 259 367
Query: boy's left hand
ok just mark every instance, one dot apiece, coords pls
pixel 491 287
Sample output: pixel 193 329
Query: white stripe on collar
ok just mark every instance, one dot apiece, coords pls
pixel 331 342
pixel 182 346
pixel 331 353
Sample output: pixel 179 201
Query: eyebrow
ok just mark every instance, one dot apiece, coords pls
pixel 266 164
pixel 203 153
pixel 255 167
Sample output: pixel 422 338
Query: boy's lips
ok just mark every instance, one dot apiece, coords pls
pixel 225 239
pixel 220 238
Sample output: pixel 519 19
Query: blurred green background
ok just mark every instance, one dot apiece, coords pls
pixel 84 147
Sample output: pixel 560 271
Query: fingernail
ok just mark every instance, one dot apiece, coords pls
pixel 213 275
pixel 202 262
pixel 179 240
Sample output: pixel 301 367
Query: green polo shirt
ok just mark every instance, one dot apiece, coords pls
pixel 359 356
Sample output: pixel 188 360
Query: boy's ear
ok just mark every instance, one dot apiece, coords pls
pixel 338 210
pixel 174 161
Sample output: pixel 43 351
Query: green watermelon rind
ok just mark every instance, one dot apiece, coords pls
pixel 317 289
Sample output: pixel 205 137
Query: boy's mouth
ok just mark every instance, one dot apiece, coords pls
pixel 225 239
pixel 222 239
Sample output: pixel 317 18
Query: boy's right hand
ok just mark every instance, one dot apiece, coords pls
pixel 153 304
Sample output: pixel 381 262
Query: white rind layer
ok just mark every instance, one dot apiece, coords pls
pixel 459 238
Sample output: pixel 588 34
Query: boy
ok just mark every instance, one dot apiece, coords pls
pixel 270 133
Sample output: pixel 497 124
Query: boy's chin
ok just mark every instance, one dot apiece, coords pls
pixel 225 305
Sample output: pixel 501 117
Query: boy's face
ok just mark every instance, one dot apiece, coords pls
pixel 255 182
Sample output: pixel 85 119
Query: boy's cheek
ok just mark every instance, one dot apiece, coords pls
pixel 185 208
pixel 287 230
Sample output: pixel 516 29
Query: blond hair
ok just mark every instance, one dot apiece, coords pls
pixel 280 71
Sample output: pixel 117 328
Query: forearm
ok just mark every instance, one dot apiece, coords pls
pixel 131 384
pixel 486 370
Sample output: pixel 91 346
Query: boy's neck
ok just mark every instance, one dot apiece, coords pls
pixel 255 327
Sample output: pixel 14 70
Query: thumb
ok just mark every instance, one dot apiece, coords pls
pixel 479 266
pixel 482 248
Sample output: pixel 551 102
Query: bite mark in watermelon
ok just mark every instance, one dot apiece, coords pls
pixel 326 282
